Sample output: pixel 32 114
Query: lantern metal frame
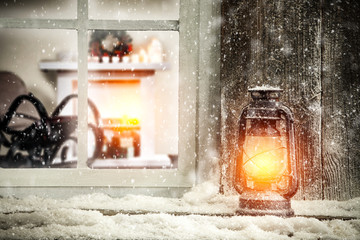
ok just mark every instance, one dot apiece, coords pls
pixel 266 107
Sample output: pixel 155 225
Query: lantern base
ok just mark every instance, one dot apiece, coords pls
pixel 273 204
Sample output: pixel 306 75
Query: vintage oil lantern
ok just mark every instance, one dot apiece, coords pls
pixel 265 171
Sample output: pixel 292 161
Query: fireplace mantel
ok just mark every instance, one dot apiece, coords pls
pixel 94 66
pixel 67 72
pixel 67 75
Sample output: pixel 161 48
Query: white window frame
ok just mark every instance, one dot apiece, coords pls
pixel 191 145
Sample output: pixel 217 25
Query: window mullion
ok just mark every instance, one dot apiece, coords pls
pixel 27 23
pixel 189 64
pixel 82 83
pixel 135 25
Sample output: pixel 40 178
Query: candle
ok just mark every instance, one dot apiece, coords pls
pixel 135 58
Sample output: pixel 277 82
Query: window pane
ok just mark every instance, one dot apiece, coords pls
pixel 32 137
pixel 133 81
pixel 134 10
pixel 43 9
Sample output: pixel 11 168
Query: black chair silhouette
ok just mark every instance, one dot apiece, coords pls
pixel 29 137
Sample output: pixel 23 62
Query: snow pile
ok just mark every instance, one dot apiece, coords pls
pixel 81 224
pixel 203 199
pixel 200 214
pixel 349 208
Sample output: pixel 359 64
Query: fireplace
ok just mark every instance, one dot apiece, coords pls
pixel 125 96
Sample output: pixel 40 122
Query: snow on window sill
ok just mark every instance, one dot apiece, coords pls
pixel 202 213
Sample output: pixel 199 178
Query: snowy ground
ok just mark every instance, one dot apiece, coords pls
pixel 195 216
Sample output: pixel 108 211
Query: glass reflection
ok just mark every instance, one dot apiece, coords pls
pixel 34 132
pixel 136 92
pixel 38 9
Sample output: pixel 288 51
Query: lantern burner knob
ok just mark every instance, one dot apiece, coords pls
pixel 265 93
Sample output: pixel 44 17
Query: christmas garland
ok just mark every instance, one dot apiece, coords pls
pixel 120 43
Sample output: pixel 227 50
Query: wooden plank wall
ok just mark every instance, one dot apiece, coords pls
pixel 311 50
pixel 341 99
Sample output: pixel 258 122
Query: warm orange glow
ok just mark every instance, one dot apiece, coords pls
pixel 264 158
pixel 124 122
pixel 117 100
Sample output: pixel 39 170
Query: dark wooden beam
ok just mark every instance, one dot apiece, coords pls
pixel 311 50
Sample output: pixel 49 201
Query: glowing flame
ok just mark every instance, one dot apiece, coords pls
pixel 118 100
pixel 264 158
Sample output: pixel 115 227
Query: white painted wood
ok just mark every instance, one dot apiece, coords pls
pixel 150 161
pixel 94 178
pixel 141 25
pixel 64 86
pixel 147 120
pixel 73 66
pixel 38 23
pixel 184 176
pixel 82 133
pixel 189 50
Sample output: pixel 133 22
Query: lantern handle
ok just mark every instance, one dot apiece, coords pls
pixel 294 182
pixel 241 136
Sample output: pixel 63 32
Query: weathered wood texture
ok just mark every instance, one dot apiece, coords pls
pixel 286 44
pixel 341 99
